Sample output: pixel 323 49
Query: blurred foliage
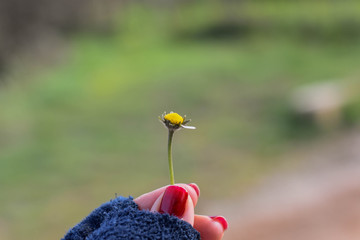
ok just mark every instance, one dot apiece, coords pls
pixel 26 25
pixel 73 135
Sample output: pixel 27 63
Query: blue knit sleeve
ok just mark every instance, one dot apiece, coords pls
pixel 121 219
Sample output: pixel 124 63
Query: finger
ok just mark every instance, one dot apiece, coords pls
pixel 189 212
pixel 175 201
pixel 147 200
pixel 210 228
pixel 194 192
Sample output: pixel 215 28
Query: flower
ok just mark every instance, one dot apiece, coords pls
pixel 173 121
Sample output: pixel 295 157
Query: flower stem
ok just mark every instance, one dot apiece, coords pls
pixel 171 169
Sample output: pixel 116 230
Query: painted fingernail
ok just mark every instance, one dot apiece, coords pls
pixel 174 201
pixel 221 220
pixel 195 187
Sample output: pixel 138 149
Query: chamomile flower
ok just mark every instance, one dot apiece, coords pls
pixel 173 122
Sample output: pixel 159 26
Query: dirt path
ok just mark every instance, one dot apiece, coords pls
pixel 319 200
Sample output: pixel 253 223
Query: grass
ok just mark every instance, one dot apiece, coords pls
pixel 74 135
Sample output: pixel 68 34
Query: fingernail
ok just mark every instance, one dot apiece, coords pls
pixel 195 187
pixel 221 220
pixel 174 201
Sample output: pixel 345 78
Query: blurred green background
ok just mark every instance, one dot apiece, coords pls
pixel 78 121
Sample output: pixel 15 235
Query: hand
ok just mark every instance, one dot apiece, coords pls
pixel 180 200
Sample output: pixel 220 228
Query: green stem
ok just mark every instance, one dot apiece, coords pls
pixel 171 169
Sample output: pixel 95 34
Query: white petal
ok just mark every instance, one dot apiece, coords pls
pixel 188 127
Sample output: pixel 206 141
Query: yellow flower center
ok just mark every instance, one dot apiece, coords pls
pixel 174 118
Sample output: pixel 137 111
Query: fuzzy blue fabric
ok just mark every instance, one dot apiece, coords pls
pixel 121 219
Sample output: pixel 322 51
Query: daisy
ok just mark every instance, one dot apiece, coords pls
pixel 173 121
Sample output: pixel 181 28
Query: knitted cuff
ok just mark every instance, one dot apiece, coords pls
pixel 121 219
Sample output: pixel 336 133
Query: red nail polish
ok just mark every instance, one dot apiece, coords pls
pixel 174 201
pixel 221 220
pixel 195 187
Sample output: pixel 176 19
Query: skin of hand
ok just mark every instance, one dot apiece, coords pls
pixel 180 200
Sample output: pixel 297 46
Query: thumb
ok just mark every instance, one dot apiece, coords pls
pixel 176 201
